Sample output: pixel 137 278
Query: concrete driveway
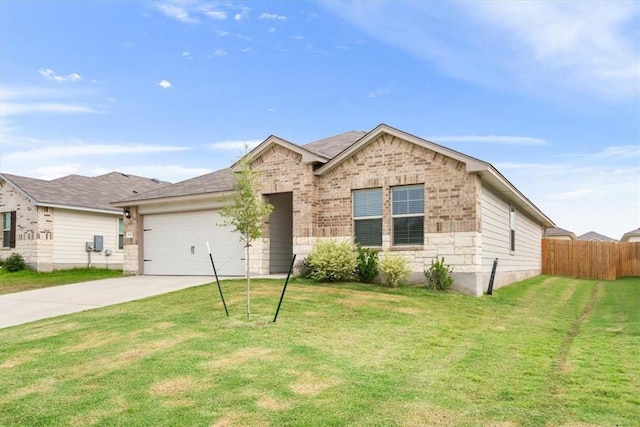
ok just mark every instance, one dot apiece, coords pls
pixel 28 306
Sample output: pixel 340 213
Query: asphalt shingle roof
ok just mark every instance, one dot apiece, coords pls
pixel 83 191
pixel 592 235
pixel 334 145
pixel 213 182
pixel 222 180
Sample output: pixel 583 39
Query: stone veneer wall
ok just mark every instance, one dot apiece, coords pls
pixel 132 247
pixel 34 229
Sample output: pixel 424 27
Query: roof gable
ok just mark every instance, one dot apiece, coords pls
pixel 487 172
pixel 592 235
pixel 307 155
pixel 472 163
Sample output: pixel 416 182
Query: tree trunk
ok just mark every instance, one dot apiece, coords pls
pixel 248 279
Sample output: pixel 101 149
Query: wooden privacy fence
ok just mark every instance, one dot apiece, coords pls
pixel 590 259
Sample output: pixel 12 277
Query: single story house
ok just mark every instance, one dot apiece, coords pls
pixel 595 237
pixel 386 189
pixel 66 222
pixel 631 236
pixel 558 233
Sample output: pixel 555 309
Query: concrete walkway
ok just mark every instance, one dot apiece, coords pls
pixel 28 306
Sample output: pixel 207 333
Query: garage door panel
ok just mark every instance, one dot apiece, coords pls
pixel 176 244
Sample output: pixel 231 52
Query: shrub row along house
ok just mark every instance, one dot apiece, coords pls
pixel 54 224
pixel 384 188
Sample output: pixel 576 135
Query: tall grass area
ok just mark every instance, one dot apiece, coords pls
pixel 26 280
pixel 543 352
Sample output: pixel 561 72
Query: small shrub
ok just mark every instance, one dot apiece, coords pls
pixel 14 262
pixel 367 268
pixel 395 269
pixel 331 261
pixel 438 275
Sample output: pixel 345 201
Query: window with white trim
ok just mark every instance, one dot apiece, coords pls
pixel 512 228
pixel 120 233
pixel 367 216
pixel 407 213
pixel 9 229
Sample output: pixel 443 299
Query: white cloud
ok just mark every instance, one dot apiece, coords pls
pixel 548 49
pixel 187 55
pixel 219 52
pixel 378 93
pixel 234 145
pixel 244 14
pixel 584 192
pixel 176 10
pixel 491 139
pixel 81 148
pixel 216 15
pixel 8 108
pixel 164 84
pixel 49 74
pixel 272 16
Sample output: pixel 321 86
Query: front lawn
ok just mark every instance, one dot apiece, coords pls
pixel 544 352
pixel 26 280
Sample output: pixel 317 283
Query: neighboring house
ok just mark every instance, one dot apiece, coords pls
pixel 593 236
pixel 558 233
pixel 385 189
pixel 631 236
pixel 50 223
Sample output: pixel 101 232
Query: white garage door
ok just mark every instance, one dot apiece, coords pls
pixel 176 244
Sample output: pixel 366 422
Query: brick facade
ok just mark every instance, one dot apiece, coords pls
pixel 34 229
pixel 322 204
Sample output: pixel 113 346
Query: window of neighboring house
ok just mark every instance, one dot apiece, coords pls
pixel 367 216
pixel 9 229
pixel 120 233
pixel 512 229
pixel 407 212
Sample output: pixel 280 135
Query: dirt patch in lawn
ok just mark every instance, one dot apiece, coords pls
pixel 309 385
pixel 242 356
pixel 94 340
pixel 23 358
pixel 175 389
pixel 270 403
pixel 44 385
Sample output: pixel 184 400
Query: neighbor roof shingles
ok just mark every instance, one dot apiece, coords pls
pixel 84 192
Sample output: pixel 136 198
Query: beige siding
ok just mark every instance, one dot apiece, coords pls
pixel 72 229
pixel 526 260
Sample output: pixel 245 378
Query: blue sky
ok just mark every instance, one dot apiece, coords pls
pixel 547 92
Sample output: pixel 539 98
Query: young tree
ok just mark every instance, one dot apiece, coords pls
pixel 247 212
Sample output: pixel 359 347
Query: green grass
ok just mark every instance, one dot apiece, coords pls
pixel 26 280
pixel 544 352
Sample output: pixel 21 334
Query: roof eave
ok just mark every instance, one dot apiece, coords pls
pixel 78 208
pixel 508 191
pixel 181 198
